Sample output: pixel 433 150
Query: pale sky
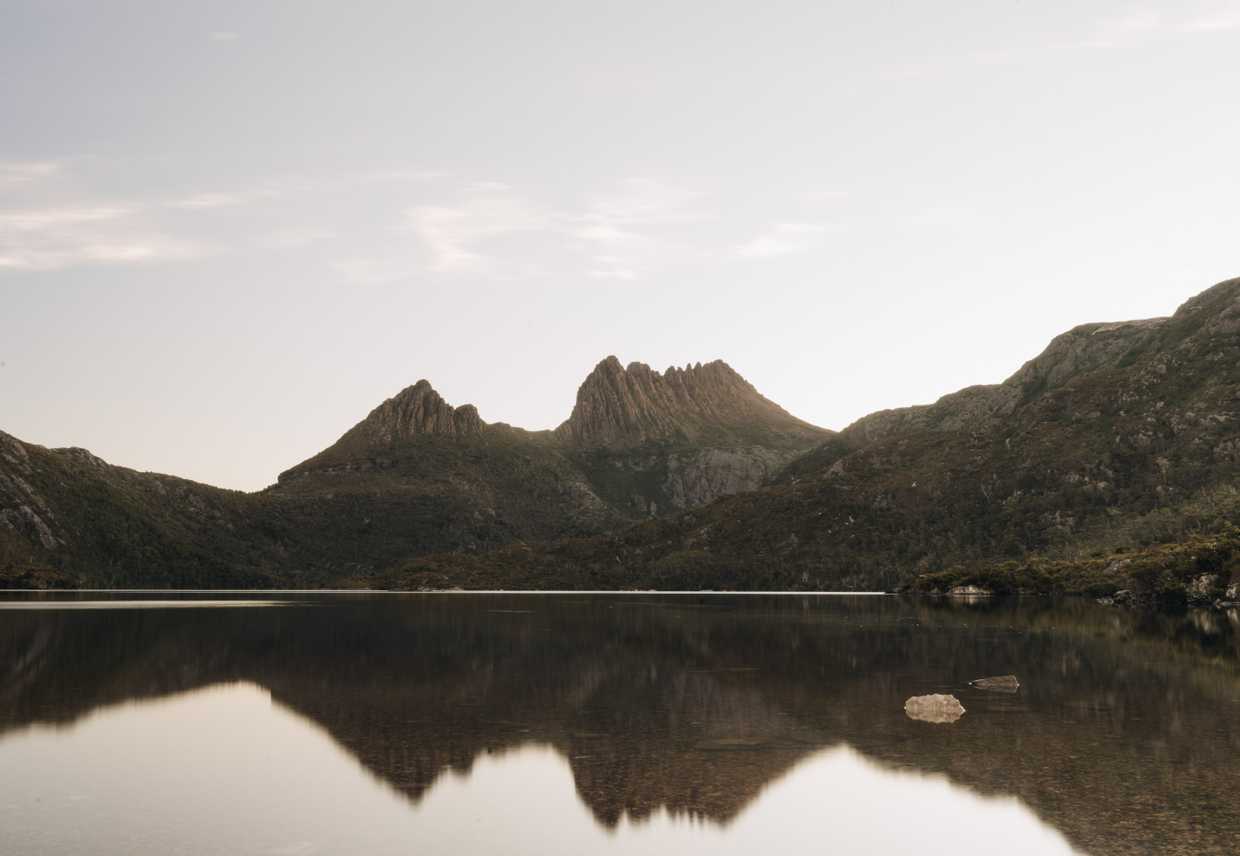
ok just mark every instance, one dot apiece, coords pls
pixel 230 229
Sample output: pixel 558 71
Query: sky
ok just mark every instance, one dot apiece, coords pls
pixel 228 230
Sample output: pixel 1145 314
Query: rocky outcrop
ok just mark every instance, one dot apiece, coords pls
pixel 1203 589
pixel 656 442
pixel 969 591
pixel 698 478
pixel 416 411
pixel 1083 349
pixel 625 407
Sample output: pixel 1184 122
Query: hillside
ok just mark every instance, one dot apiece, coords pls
pixel 67 517
pixel 1116 437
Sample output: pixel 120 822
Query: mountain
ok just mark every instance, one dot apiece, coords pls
pixel 1115 438
pixel 651 443
pixel 416 476
pixel 620 407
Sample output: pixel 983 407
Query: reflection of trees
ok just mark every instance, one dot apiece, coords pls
pixel 1122 734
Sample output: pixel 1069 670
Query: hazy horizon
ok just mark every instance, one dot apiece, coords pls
pixel 228 232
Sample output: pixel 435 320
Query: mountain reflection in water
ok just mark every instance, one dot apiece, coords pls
pixel 683 722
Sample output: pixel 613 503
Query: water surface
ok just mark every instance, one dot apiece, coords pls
pixel 617 723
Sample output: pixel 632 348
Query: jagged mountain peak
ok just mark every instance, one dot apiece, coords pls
pixel 621 405
pixel 415 411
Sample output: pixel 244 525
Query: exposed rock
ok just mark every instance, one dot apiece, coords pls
pixel 25 520
pixel 696 478
pixel 1083 349
pixel 974 408
pixel 970 591
pixel 1000 683
pixel 937 708
pixel 416 411
pixel 619 407
pixel 1230 598
pixel 1202 589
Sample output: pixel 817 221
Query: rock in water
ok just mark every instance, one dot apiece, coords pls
pixel 937 708
pixel 1001 683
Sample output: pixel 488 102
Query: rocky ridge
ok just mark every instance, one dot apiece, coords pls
pixel 415 411
pixel 620 407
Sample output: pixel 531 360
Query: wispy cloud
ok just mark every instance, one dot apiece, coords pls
pixel 20 172
pixel 58 252
pixel 83 233
pixel 453 235
pixel 57 238
pixel 623 227
pixel 784 239
pixel 40 219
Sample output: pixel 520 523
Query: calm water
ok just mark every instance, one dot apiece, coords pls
pixel 576 724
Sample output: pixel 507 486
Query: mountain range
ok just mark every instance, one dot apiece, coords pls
pixel 1118 440
pixel 416 476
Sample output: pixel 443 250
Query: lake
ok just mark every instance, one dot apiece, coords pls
pixel 307 723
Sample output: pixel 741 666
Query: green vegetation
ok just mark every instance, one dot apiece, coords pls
pixel 1161 573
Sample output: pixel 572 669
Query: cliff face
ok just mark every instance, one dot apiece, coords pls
pixel 416 411
pixel 622 407
pixel 654 442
